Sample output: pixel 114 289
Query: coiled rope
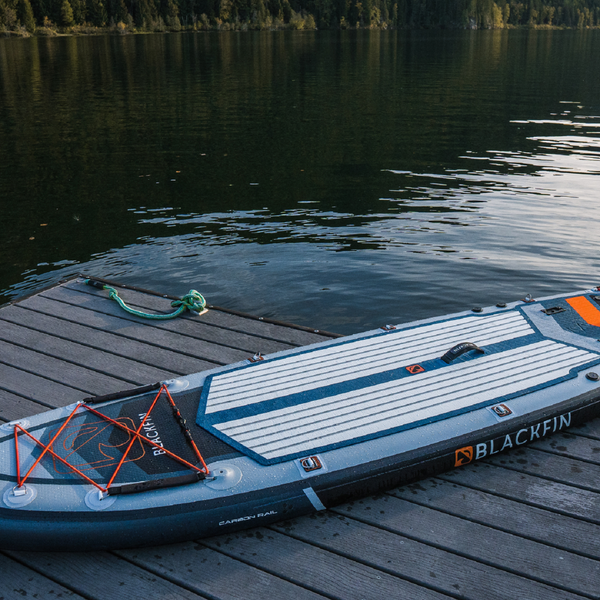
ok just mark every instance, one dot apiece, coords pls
pixel 192 301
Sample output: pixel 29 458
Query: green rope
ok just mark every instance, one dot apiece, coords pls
pixel 192 301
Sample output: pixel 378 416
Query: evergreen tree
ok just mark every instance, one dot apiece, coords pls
pixel 78 7
pixel 145 16
pixel 66 12
pixel 8 16
pixel 25 15
pixel 168 10
pixel 477 14
pixel 121 15
pixel 354 13
pixel 367 12
pixel 96 12
pixel 39 10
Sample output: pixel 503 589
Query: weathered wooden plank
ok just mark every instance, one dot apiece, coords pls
pixel 551 466
pixel 203 570
pixel 100 575
pixel 319 570
pixel 18 582
pixel 119 345
pixel 245 324
pixel 196 326
pixel 558 497
pixel 527 559
pixel 186 324
pixel 260 327
pixel 60 371
pixel 573 446
pixel 81 355
pixel 13 407
pixel 507 515
pixel 590 429
pixel 38 389
pixel 211 353
pixel 382 547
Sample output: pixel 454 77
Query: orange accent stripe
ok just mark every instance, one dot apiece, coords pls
pixel 585 309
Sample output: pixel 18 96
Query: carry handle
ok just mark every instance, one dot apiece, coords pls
pixel 459 350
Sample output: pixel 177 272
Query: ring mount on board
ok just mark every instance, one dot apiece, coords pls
pixel 176 385
pixel 11 426
pixel 17 497
pixel 98 500
pixel 223 476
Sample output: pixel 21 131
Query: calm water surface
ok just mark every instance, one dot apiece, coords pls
pixel 341 180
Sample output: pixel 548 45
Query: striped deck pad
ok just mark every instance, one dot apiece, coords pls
pixel 345 361
pixel 349 392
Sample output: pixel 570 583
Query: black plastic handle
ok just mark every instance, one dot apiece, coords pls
pixel 459 350
pixel 155 484
pixel 123 394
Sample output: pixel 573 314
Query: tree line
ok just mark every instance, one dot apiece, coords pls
pixel 49 17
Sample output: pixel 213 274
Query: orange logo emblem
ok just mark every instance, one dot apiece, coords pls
pixel 414 369
pixel 463 456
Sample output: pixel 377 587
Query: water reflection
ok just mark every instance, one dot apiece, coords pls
pixel 339 181
pixel 333 231
pixel 511 212
pixel 421 204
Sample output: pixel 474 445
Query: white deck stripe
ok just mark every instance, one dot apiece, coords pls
pixel 344 350
pixel 454 378
pixel 367 364
pixel 381 407
pixel 432 381
pixel 345 362
pixel 378 420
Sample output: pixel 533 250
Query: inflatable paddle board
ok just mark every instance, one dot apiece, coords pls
pixel 280 436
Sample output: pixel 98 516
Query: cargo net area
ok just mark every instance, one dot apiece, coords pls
pixel 138 444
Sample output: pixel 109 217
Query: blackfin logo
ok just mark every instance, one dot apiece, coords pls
pixel 530 433
pixel 463 456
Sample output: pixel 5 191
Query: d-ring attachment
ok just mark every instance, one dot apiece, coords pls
pixel 17 497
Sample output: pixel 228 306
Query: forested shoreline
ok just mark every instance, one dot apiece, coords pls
pixel 59 17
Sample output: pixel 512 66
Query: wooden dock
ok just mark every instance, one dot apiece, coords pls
pixel 522 525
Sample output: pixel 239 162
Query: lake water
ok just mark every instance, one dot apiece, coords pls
pixel 341 180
